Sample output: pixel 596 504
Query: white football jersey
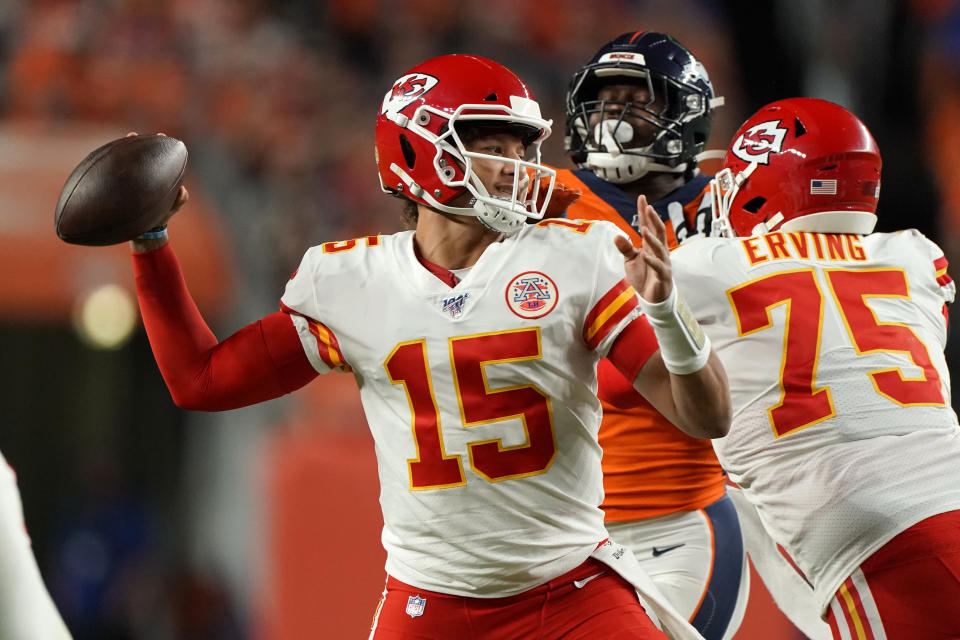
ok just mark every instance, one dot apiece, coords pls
pixel 843 435
pixel 481 397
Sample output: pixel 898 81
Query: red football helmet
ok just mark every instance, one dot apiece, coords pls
pixel 420 154
pixel 800 164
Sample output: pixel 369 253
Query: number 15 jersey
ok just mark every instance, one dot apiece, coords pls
pixel 480 397
pixel 843 435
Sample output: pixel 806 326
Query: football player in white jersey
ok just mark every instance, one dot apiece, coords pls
pixel 26 610
pixel 843 443
pixel 474 339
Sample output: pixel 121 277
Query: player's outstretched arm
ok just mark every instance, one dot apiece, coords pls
pixel 264 360
pixel 684 380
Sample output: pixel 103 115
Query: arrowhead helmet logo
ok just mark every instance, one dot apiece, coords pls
pixel 759 141
pixel 406 90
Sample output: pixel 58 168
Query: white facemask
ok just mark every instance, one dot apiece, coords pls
pixel 505 215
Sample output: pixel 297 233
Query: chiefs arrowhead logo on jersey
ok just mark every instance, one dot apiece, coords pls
pixel 405 90
pixel 759 141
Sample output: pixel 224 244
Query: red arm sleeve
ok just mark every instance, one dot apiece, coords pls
pixel 633 347
pixel 264 360
pixel 614 389
pixel 616 372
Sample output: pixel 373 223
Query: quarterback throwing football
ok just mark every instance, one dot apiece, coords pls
pixel 474 339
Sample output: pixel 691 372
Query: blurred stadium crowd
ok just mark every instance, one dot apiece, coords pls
pixel 281 96
pixel 276 100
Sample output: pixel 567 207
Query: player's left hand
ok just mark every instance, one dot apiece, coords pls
pixel 648 268
pixel 182 194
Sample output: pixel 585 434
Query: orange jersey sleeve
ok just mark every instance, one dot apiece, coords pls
pixel 650 467
pixel 684 212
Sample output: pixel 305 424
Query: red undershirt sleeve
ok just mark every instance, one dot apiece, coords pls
pixel 614 389
pixel 633 347
pixel 616 372
pixel 261 361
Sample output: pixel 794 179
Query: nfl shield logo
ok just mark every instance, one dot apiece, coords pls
pixel 415 605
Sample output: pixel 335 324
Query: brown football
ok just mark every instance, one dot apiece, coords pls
pixel 120 190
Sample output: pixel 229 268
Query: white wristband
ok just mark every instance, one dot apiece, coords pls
pixel 684 346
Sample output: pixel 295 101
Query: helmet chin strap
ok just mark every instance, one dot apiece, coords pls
pixel 503 217
pixel 710 154
pixel 498 213
pixel 626 168
pixel 723 188
pixel 767 226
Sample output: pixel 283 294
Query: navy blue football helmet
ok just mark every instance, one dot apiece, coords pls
pixel 680 108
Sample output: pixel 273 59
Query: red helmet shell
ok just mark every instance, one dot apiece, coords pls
pixel 813 157
pixel 443 84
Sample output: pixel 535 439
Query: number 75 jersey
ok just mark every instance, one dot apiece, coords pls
pixel 480 397
pixel 843 434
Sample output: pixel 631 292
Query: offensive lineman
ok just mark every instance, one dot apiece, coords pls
pixel 844 441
